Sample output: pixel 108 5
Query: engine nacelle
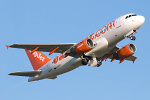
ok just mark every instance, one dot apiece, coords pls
pixel 127 51
pixel 84 46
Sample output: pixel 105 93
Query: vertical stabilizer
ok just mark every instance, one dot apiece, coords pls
pixel 37 59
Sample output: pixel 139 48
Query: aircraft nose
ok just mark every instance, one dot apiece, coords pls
pixel 141 20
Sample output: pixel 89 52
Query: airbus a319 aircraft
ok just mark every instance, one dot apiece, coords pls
pixel 91 51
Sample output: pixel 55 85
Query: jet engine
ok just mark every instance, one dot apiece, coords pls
pixel 84 46
pixel 127 51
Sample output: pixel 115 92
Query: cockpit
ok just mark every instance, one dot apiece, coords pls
pixel 130 16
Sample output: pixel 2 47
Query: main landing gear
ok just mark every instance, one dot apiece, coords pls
pixel 85 61
pixel 99 63
pixel 91 61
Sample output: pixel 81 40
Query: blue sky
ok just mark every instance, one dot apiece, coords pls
pixel 70 21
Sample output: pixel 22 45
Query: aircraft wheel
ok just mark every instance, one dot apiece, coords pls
pixel 132 37
pixel 99 64
pixel 85 61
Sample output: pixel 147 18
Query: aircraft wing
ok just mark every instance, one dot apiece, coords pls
pixel 26 73
pixel 58 48
pixel 114 54
pixel 131 58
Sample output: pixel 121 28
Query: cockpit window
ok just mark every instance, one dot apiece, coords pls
pixel 126 17
pixel 134 15
pixel 130 16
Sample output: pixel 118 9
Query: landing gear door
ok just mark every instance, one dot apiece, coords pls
pixel 118 25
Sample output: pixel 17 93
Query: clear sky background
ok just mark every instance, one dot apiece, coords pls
pixel 70 21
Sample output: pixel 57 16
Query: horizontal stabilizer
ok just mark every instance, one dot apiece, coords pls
pixel 26 73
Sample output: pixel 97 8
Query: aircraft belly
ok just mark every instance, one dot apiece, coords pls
pixel 60 68
pixel 72 64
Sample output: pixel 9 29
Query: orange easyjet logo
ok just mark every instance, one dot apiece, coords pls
pixel 59 58
pixel 102 31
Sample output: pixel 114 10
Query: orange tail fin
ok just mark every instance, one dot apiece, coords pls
pixel 37 59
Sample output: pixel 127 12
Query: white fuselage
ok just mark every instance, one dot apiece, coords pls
pixel 104 39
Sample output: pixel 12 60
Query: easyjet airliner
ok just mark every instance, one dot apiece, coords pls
pixel 91 51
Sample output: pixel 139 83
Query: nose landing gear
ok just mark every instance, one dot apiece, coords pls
pixel 132 37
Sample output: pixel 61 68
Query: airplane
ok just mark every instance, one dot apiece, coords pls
pixel 91 51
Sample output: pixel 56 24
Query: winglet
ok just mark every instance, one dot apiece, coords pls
pixel 7 46
pixel 133 61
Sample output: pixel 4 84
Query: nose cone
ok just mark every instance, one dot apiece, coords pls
pixel 141 20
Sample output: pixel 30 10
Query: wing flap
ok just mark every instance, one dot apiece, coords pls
pixel 26 73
